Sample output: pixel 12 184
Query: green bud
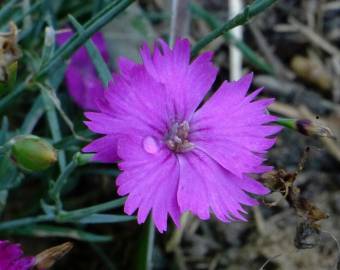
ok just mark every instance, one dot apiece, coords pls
pixel 32 153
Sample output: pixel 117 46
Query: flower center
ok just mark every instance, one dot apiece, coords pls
pixel 177 138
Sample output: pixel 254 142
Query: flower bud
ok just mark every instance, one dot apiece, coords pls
pixel 32 153
pixel 306 127
pixel 310 128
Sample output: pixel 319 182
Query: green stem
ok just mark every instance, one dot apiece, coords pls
pixel 97 59
pixel 53 122
pixel 25 221
pixel 8 99
pixel 32 9
pixel 80 213
pixel 250 11
pixel 63 216
pixel 6 10
pixel 247 52
pixel 286 122
pixel 77 160
pixel 146 244
pixel 60 182
pixel 33 116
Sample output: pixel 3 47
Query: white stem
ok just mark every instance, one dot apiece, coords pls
pixel 174 13
pixel 235 60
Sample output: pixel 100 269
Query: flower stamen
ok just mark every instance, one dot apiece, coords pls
pixel 177 138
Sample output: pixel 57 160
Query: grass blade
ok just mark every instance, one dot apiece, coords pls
pixel 81 213
pixel 33 116
pixel 6 10
pixel 98 61
pixel 56 231
pixel 12 96
pixel 53 122
pixel 247 52
pixel 144 259
pixel 250 11
pixel 105 218
pixel 77 40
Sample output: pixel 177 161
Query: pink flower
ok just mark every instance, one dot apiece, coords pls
pixel 82 80
pixel 12 258
pixel 175 155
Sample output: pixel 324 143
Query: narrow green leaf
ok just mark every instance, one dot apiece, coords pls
pixel 98 61
pixel 57 186
pixel 53 122
pixel 250 11
pixel 6 10
pixel 33 116
pixel 48 209
pixel 105 218
pixel 71 141
pixel 112 10
pixel 12 96
pixel 81 213
pixel 100 171
pixel 247 52
pixel 56 231
pixel 6 225
pixel 145 248
pixel 31 9
pixel 9 175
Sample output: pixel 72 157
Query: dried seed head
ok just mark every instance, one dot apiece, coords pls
pixel 49 257
pixel 9 50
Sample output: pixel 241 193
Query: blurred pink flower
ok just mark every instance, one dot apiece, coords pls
pixel 82 80
pixel 12 257
pixel 175 155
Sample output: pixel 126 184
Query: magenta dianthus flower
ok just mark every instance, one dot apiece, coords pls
pixel 175 155
pixel 12 257
pixel 82 80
